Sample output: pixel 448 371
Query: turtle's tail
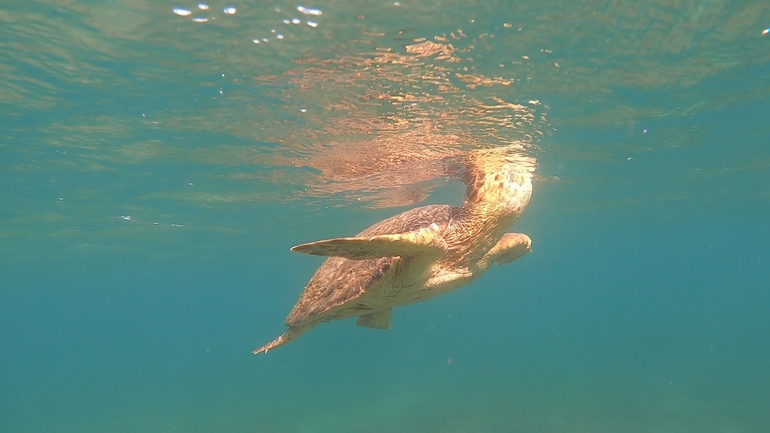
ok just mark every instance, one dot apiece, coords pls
pixel 290 335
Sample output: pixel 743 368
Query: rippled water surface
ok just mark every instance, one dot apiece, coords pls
pixel 158 159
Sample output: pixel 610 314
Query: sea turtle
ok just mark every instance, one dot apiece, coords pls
pixel 418 254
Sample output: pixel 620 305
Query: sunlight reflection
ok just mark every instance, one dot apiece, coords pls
pixel 391 119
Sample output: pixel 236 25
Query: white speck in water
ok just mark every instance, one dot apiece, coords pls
pixel 182 12
pixel 200 20
pixel 286 21
pixel 256 41
pixel 644 131
pixel 309 11
pixel 279 36
pixel 230 10
pixel 396 3
pixel 190 183
pixel 629 158
pixel 203 6
pixel 264 39
pixel 312 24
pixel 272 30
pixel 303 110
pixel 765 31
pixel 60 199
pixel 295 21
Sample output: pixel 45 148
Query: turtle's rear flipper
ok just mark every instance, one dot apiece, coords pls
pixel 424 242
pixel 376 320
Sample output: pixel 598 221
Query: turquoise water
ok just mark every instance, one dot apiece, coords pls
pixel 155 170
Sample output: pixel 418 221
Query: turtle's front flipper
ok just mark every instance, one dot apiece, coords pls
pixel 509 248
pixel 425 243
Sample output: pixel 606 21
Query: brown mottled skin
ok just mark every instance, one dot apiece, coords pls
pixel 417 254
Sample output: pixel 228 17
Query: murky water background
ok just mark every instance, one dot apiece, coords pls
pixel 155 167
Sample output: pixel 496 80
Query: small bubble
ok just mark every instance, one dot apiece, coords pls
pixel 200 20
pixel 309 11
pixel 286 21
pixel 279 36
pixel 230 10
pixel 256 41
pixel 295 21
pixel 182 12
pixel 303 110
pixel 312 24
pixel 203 6
pixel 190 183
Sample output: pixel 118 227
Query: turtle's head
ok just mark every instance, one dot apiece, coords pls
pixel 502 192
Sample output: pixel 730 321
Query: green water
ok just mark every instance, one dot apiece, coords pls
pixel 155 171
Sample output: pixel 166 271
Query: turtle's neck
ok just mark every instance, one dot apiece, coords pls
pixel 474 230
pixel 493 202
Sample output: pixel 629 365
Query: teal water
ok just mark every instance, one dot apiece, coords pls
pixel 155 170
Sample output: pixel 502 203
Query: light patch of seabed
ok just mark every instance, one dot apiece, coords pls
pixel 569 407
